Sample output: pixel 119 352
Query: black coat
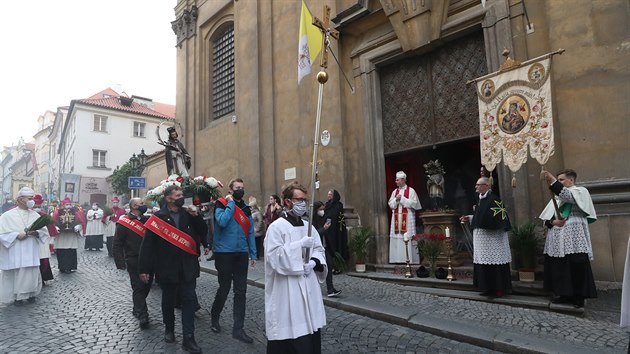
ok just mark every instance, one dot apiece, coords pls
pixel 337 234
pixel 170 263
pixel 127 243
pixel 490 214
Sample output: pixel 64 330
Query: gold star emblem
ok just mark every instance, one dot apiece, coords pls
pixel 500 208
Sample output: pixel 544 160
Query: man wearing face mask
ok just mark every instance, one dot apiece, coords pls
pixel 234 244
pixel 95 228
pixel 294 308
pixel 170 249
pixel 126 248
pixel 70 220
pixel 20 278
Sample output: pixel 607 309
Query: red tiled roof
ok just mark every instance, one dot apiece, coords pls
pixel 114 103
pixel 108 92
pixel 164 108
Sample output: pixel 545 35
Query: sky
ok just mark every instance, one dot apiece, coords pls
pixel 57 51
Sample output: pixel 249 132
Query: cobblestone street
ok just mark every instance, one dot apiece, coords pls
pixel 90 312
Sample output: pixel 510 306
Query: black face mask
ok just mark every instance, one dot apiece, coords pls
pixel 179 202
pixel 142 209
pixel 238 194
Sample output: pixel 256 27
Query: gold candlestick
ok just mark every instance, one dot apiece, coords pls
pixel 408 266
pixel 450 276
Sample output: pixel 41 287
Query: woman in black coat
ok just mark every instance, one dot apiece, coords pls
pixel 337 233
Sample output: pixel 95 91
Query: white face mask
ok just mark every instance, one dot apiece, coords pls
pixel 127 210
pixel 30 204
pixel 320 213
pixel 299 208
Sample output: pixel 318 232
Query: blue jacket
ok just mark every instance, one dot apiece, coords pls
pixel 228 234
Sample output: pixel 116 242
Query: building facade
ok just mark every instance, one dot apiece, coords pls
pixel 408 62
pixel 42 176
pixel 101 133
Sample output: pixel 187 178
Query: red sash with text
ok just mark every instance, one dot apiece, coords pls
pixel 239 216
pixel 401 229
pixel 172 234
pixel 132 224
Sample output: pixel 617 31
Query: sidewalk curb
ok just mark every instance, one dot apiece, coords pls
pixel 454 330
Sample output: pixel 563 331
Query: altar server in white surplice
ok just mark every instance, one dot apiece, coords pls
pixel 20 278
pixel 294 309
pixel 404 203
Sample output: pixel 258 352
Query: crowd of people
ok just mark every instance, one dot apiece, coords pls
pixel 239 234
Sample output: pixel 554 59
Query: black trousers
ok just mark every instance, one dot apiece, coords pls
pixel 308 344
pixel 330 261
pixel 140 290
pixel 188 297
pixel 109 242
pixel 66 259
pixel 232 267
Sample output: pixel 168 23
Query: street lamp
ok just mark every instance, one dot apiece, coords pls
pixel 137 164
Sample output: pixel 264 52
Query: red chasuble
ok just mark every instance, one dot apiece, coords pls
pixel 401 229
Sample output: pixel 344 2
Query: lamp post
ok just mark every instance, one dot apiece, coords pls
pixel 137 164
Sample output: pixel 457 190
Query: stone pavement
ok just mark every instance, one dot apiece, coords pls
pixel 463 316
pixel 89 311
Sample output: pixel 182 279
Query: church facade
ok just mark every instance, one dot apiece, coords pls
pixel 408 61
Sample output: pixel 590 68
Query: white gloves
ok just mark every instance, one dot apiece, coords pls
pixel 307 242
pixel 308 267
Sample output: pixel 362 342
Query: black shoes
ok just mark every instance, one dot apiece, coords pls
pixel 334 293
pixel 190 345
pixel 144 321
pixel 242 336
pixel 169 336
pixel 215 326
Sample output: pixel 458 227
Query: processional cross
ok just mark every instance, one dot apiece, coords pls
pixel 327 32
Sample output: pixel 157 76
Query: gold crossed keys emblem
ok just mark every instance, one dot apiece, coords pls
pixel 500 208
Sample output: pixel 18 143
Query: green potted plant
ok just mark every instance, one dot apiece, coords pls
pixel 526 242
pixel 361 237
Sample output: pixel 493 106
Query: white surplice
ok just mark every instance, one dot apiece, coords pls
pixel 293 302
pixel 94 224
pixel 396 244
pixel 19 259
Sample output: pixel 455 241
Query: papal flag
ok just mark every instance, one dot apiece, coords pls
pixel 515 114
pixel 310 42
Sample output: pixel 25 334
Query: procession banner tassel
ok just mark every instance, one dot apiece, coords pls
pixel 513 180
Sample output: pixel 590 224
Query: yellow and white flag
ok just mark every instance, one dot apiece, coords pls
pixel 310 42
pixel 515 115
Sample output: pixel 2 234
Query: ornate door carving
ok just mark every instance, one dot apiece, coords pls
pixel 425 99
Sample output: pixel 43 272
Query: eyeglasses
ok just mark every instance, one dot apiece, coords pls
pixel 481 184
pixel 297 200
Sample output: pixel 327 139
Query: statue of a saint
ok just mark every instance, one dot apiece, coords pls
pixel 435 186
pixel 178 160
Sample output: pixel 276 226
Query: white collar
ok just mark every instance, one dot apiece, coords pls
pixel 483 195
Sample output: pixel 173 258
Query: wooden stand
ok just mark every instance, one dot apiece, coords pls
pixel 436 222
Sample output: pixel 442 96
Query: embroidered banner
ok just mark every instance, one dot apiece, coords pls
pixel 515 115
pixel 172 234
pixel 132 224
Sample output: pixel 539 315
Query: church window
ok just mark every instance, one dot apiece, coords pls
pixel 223 73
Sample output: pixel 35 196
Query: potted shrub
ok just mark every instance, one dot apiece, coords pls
pixel 526 242
pixel 361 237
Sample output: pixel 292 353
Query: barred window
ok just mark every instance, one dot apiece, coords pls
pixel 138 129
pixel 100 123
pixel 98 158
pixel 223 73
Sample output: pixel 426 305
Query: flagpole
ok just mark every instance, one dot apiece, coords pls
pixel 322 77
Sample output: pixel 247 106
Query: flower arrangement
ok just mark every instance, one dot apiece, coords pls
pixel 434 167
pixel 429 246
pixel 200 186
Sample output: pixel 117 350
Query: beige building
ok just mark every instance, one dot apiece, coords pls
pixel 42 178
pixel 408 60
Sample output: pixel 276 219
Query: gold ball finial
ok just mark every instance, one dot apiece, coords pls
pixel 322 77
